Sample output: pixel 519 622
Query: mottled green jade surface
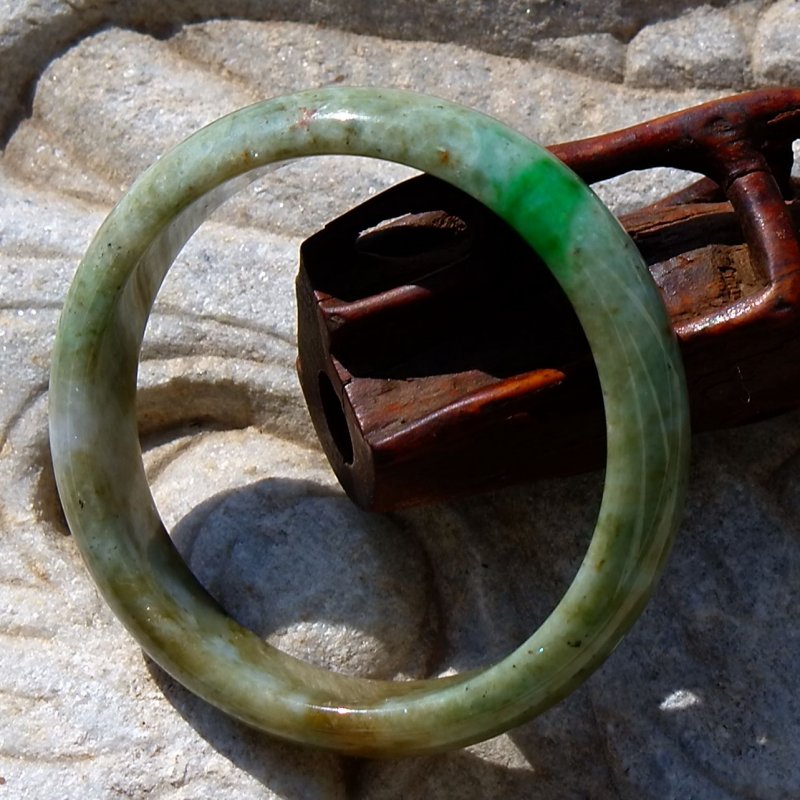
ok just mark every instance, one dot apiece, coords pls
pixel 109 507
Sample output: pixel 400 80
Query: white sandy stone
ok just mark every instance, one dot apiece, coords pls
pixel 600 55
pixel 775 47
pixel 707 47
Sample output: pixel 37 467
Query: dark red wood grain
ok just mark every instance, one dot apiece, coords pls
pixel 438 356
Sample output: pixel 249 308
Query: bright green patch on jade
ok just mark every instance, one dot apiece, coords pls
pixel 543 185
pixel 110 509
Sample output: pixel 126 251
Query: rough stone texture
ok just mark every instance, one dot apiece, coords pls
pixel 775 54
pixel 704 48
pixel 699 701
pixel 33 31
pixel 599 54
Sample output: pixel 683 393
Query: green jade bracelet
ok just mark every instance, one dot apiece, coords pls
pixel 111 512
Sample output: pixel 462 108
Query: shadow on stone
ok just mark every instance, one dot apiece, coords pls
pixel 300 565
pixel 289 771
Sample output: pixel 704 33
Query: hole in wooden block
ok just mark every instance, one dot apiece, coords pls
pixel 334 415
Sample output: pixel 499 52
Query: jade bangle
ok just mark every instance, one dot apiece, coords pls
pixel 110 509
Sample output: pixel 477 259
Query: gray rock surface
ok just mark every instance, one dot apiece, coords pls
pixel 601 55
pixel 33 31
pixel 777 37
pixel 706 47
pixel 699 701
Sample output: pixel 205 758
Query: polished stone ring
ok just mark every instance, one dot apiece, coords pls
pixel 111 512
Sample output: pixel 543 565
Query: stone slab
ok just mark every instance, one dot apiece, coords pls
pixel 700 699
